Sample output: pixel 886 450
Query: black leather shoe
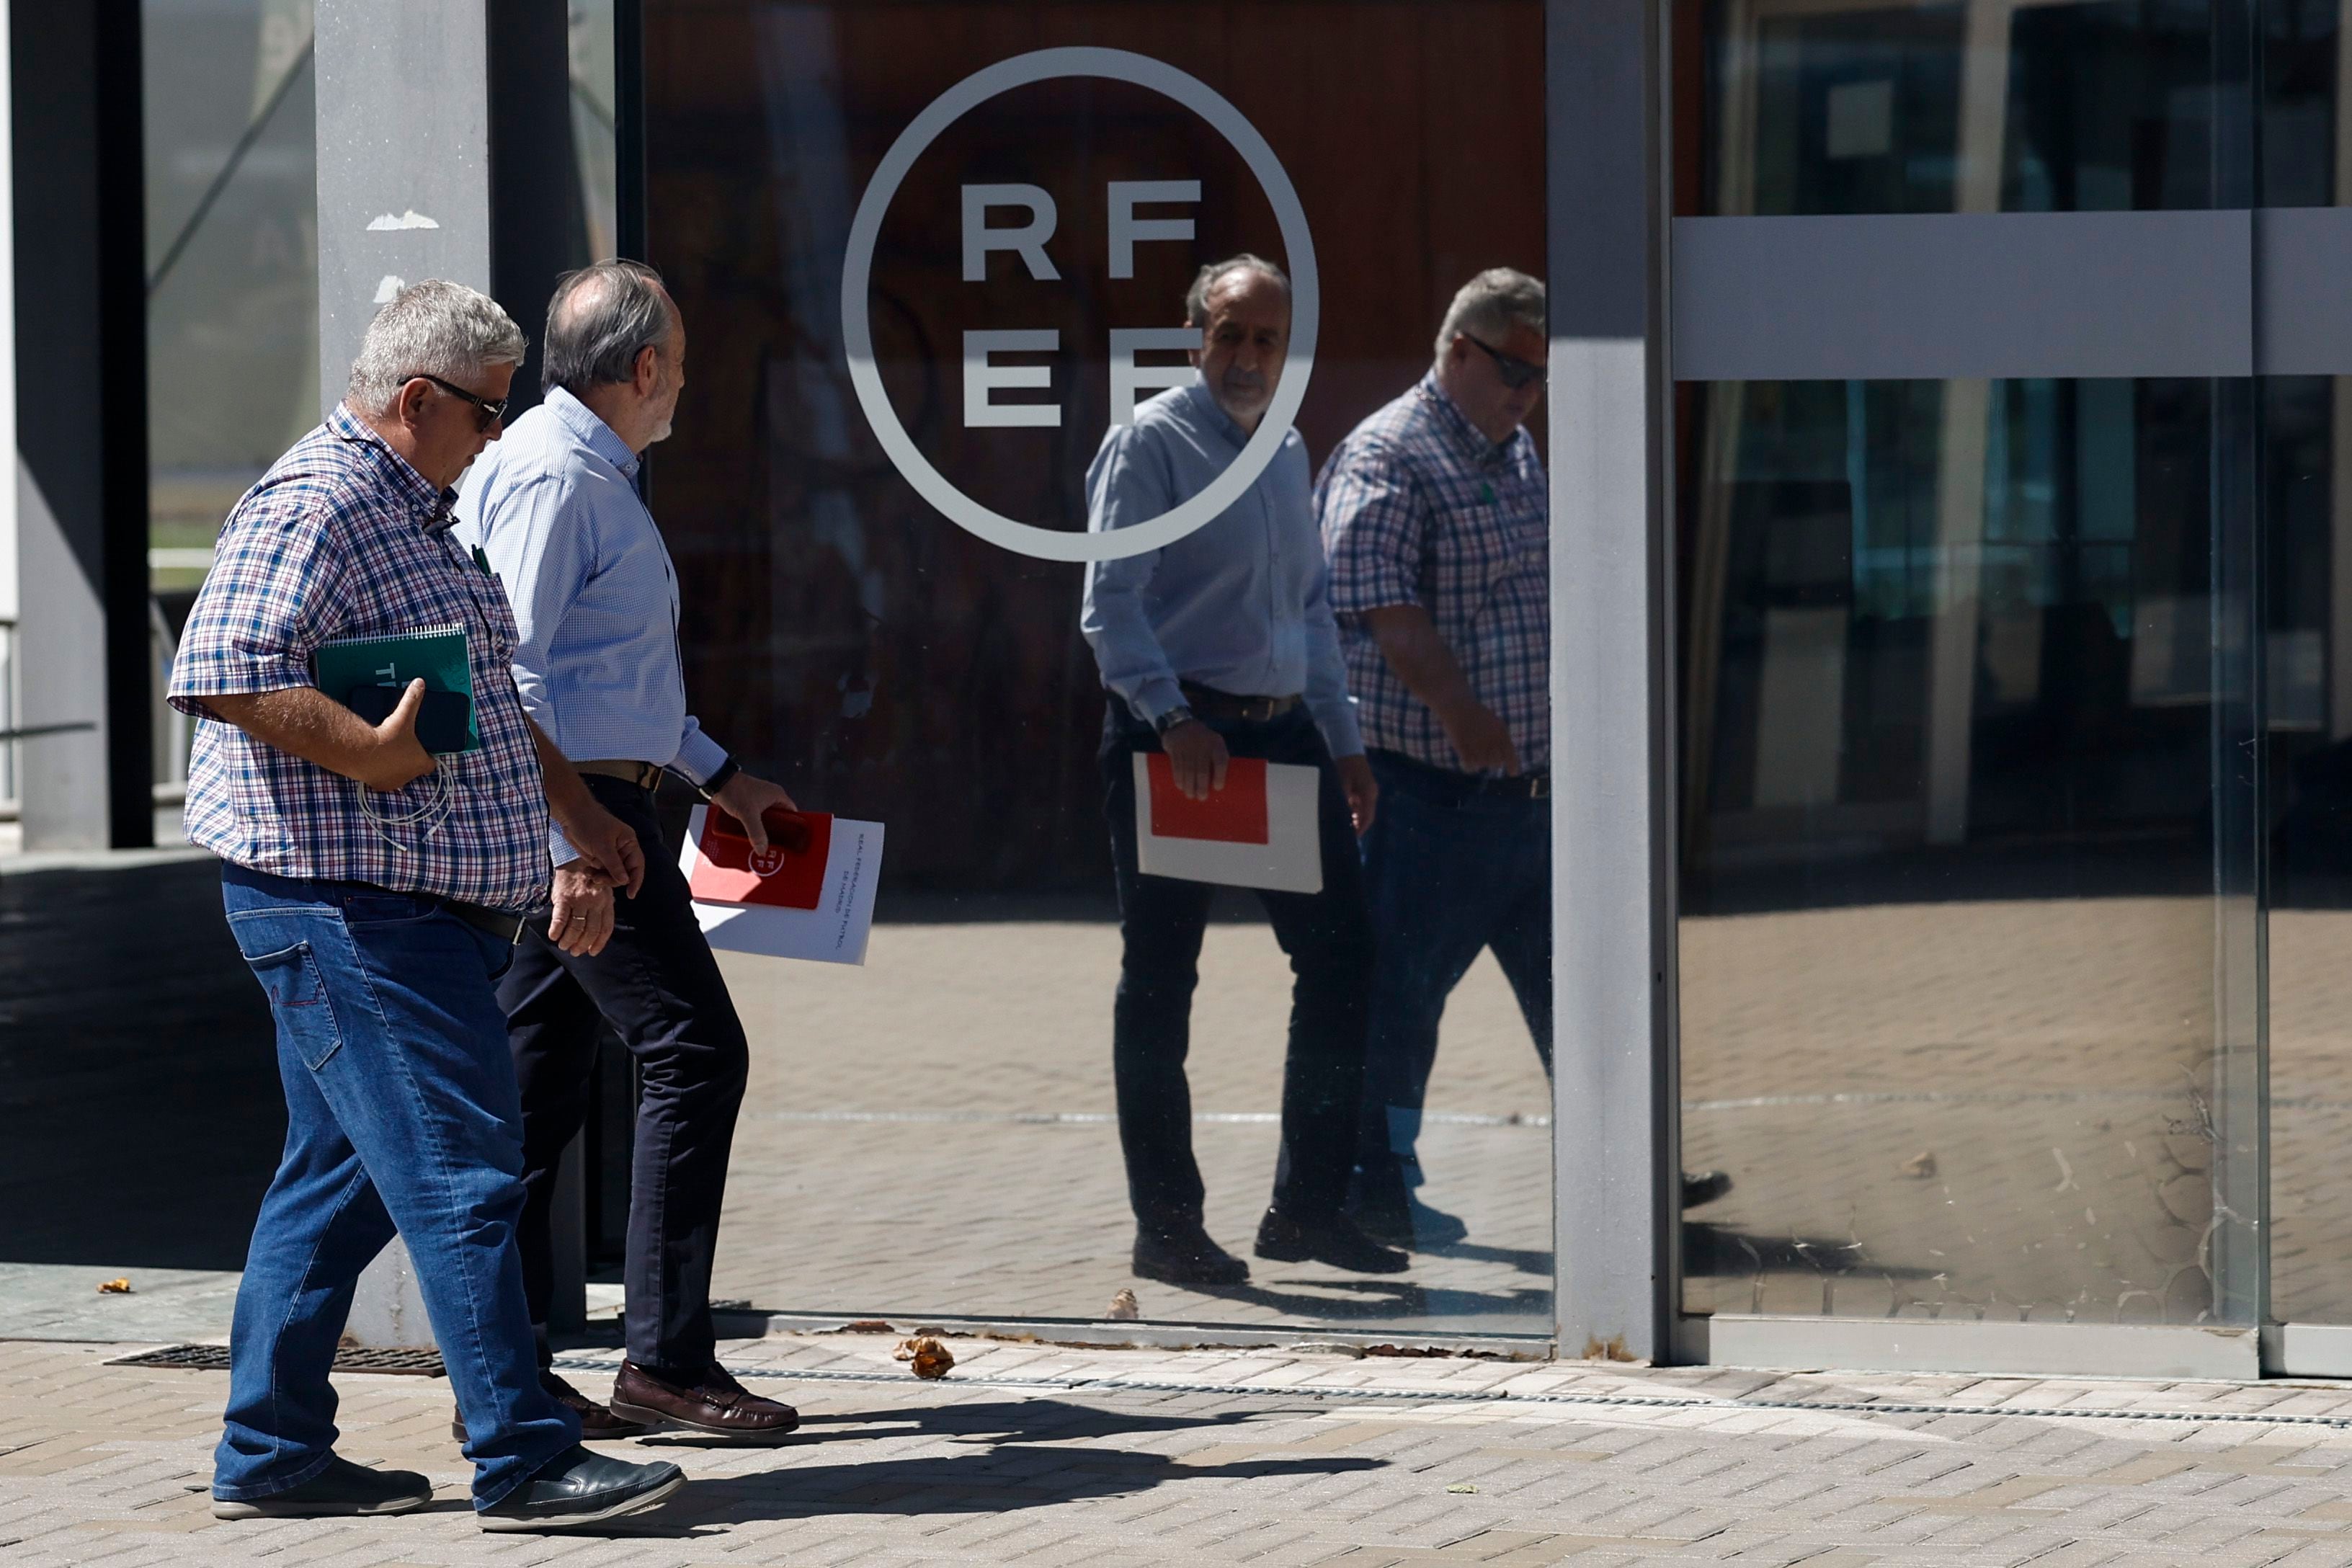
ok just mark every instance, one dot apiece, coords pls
pixel 1335 1241
pixel 342 1490
pixel 1186 1259
pixel 1704 1187
pixel 1409 1223
pixel 579 1488
pixel 597 1425
pixel 1385 1209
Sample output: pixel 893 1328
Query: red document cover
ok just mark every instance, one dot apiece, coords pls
pixel 1234 814
pixel 789 873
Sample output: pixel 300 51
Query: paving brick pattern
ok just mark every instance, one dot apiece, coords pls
pixel 1033 1455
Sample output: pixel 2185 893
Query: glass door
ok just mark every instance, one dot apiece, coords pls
pixel 1964 542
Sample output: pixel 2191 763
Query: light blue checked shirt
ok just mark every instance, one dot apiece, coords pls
pixel 1242 604
pixel 1419 508
pixel 553 504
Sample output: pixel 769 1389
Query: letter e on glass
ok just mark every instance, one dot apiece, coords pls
pixel 981 378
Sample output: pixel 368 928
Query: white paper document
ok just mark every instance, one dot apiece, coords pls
pixel 1259 831
pixel 812 897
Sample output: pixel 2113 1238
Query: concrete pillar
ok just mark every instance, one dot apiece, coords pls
pixel 77 254
pixel 1614 1123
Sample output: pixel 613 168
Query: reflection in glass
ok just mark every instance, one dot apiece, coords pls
pixel 1947 935
pixel 1858 106
pixel 934 1133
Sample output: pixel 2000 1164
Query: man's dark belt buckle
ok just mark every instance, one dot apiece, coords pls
pixel 505 924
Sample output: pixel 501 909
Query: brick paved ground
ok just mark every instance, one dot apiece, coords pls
pixel 1039 1456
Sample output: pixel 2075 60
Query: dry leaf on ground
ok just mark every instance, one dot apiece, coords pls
pixel 926 1357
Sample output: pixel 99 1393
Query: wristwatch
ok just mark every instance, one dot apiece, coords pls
pixel 1180 714
pixel 709 787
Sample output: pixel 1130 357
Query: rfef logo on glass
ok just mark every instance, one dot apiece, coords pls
pixel 1018 222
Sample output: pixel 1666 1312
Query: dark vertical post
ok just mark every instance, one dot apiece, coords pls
pixel 82 419
pixel 538 222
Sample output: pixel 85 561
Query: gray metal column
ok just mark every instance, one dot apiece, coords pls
pixel 403 195
pixel 1614 1126
pixel 80 308
pixel 403 160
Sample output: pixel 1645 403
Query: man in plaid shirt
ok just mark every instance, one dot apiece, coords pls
pixel 377 890
pixel 1436 521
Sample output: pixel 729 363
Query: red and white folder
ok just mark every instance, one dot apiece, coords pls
pixel 1259 831
pixel 810 894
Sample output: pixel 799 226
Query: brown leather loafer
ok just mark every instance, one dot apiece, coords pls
pixel 716 1404
pixel 597 1425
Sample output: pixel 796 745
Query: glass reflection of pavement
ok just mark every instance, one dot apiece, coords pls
pixel 933 1134
pixel 1996 1108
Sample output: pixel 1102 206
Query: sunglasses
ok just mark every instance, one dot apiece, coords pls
pixel 1516 372
pixel 485 413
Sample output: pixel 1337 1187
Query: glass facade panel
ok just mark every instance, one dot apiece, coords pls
pixel 1856 106
pixel 844 637
pixel 1947 926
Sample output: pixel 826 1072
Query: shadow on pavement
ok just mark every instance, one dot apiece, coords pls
pixel 984 1482
pixel 1712 1251
pixel 1388 1296
pixel 140 1111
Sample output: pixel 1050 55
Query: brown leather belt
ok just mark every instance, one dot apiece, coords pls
pixel 1210 703
pixel 644 775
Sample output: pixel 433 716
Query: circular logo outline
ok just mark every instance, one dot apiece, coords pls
pixel 857 280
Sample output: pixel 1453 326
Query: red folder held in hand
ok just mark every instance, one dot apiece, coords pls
pixel 789 873
pixel 1234 814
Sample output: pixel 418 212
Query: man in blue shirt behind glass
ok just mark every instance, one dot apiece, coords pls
pixel 555 508
pixel 1222 645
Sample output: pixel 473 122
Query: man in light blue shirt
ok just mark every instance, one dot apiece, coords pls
pixel 1222 645
pixel 554 508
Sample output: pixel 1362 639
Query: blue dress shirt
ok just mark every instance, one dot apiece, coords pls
pixel 1241 605
pixel 554 506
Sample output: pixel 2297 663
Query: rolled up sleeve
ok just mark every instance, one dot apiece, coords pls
pixel 1375 528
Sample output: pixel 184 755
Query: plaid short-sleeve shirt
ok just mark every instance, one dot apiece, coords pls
pixel 340 539
pixel 1417 507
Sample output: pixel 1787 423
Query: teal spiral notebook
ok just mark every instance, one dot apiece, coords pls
pixel 437 654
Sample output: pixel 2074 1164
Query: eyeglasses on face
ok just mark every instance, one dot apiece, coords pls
pixel 485 413
pixel 1516 372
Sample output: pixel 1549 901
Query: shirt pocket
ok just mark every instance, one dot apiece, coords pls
pixel 291 978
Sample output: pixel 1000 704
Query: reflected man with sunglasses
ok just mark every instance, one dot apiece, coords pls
pixel 1435 518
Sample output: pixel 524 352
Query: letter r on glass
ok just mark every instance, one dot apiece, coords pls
pixel 1029 239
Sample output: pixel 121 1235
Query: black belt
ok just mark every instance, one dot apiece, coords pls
pixel 1210 703
pixel 1513 787
pixel 506 925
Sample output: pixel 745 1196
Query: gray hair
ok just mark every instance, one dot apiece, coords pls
pixel 1491 304
pixel 602 318
pixel 1196 300
pixel 432 327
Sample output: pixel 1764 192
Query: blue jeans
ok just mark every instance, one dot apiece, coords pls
pixel 400 1115
pixel 1449 870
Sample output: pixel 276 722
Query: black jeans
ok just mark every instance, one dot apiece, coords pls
pixel 1329 937
pixel 659 987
